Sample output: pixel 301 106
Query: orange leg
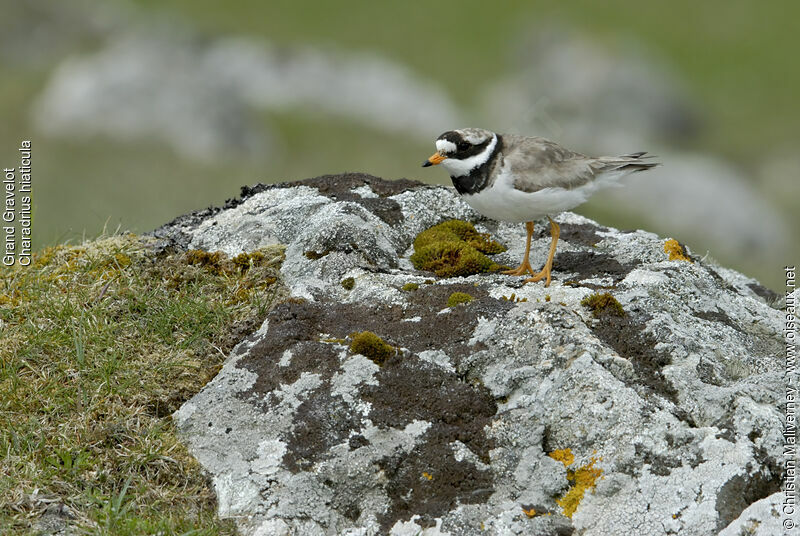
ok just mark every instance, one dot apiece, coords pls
pixel 525 266
pixel 555 230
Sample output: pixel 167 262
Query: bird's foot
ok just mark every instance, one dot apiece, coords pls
pixel 544 274
pixel 519 270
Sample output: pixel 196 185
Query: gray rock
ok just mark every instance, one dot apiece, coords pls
pixel 676 402
pixel 198 95
pixel 36 33
pixel 564 81
pixel 150 84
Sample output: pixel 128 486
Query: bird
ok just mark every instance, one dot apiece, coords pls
pixel 515 178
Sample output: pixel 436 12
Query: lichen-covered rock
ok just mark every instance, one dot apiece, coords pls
pixel 666 392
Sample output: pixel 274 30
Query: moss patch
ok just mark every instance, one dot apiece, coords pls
pixel 371 346
pixel 218 263
pixel 457 298
pixel 409 287
pixel 455 248
pixel 603 304
pixel 348 283
pixel 458 231
pixel 101 343
pixel 676 251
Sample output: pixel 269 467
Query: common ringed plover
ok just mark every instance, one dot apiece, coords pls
pixel 520 179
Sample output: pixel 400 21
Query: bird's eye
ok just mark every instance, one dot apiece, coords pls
pixel 463 146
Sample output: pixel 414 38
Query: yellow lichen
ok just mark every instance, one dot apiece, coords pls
pixel 454 248
pixel 582 479
pixel 675 251
pixel 371 346
pixel 564 456
pixel 427 475
pixel 457 298
pixel 604 303
pixel 530 512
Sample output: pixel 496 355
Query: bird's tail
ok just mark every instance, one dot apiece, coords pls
pixel 627 162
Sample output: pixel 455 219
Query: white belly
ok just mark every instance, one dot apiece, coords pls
pixel 503 202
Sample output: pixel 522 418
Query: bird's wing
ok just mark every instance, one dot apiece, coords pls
pixel 537 163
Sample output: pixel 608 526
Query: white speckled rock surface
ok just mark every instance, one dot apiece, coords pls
pixel 677 401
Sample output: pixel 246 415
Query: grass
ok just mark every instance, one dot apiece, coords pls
pixel 100 344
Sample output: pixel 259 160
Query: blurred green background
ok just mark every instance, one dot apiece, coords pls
pixel 733 61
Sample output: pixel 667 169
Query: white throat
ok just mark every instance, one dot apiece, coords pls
pixel 462 168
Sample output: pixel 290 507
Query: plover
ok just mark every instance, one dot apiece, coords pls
pixel 520 179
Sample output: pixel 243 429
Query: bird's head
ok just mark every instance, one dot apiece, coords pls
pixel 461 151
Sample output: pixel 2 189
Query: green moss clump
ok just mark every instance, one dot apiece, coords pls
pixel 408 287
pixel 454 248
pixel 458 231
pixel 601 304
pixel 457 298
pixel 348 283
pixel 218 263
pixel 371 346
pixel 206 259
pixel 244 261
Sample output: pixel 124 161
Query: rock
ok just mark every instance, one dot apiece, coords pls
pixel 37 33
pixel 668 411
pixel 150 85
pixel 762 518
pixel 563 81
pixel 199 95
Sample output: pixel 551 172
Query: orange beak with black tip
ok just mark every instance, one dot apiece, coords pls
pixel 436 158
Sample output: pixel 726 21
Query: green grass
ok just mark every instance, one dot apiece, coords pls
pixel 100 344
